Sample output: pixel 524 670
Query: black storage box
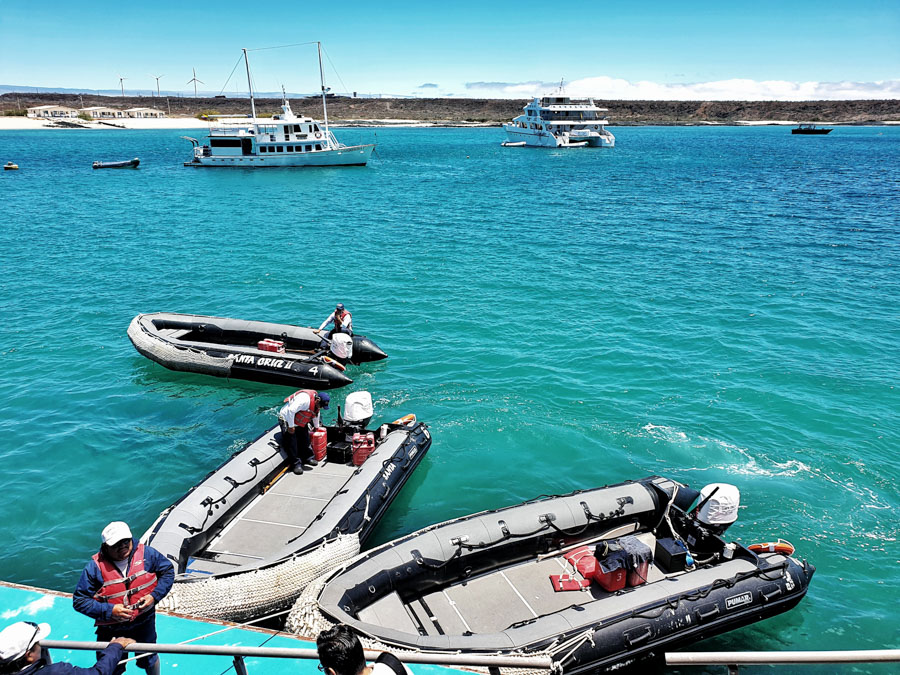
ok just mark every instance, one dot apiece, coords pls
pixel 340 452
pixel 670 556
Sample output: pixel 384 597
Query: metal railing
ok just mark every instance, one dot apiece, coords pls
pixel 238 654
pixel 733 660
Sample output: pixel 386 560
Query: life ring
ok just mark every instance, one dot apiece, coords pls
pixel 780 546
pixel 318 134
pixel 337 364
pixel 408 420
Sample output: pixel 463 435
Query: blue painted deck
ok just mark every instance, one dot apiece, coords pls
pixel 25 603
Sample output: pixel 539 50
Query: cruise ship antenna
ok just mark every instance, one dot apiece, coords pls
pixel 249 85
pixel 322 82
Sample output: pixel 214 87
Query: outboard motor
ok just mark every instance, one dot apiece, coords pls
pixel 342 347
pixel 358 411
pixel 718 507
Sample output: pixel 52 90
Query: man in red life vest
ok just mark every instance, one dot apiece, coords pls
pixel 119 589
pixel 300 411
pixel 343 321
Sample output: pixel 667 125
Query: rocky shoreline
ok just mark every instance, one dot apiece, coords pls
pixel 486 112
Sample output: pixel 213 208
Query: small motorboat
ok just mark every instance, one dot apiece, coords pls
pixel 127 164
pixel 252 534
pixel 273 353
pixel 10 166
pixel 596 579
pixel 810 130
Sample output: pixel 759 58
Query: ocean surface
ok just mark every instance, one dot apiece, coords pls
pixel 707 304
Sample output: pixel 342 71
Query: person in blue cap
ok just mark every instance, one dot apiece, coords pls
pixel 342 320
pixel 300 412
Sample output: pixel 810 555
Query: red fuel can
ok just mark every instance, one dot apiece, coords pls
pixel 611 581
pixel 319 440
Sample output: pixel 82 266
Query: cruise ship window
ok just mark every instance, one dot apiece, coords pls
pixel 308 148
pixel 263 148
pixel 280 148
pixel 290 148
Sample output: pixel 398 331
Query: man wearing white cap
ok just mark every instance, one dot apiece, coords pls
pixel 21 653
pixel 120 587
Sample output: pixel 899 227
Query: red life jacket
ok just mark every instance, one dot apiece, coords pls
pixel 343 320
pixel 118 590
pixel 302 418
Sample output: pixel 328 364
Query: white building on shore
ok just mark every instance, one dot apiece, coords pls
pixel 51 111
pixel 141 113
pixel 100 112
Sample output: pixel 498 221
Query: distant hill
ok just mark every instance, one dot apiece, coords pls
pixel 489 111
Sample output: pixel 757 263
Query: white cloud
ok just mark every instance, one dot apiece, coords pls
pixel 610 88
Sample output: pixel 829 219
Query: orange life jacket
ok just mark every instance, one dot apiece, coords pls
pixel 119 590
pixel 342 320
pixel 302 418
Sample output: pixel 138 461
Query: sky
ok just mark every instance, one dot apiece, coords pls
pixel 721 50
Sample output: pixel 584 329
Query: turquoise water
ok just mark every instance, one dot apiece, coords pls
pixel 708 304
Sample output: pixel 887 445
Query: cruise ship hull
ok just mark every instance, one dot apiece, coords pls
pixel 351 155
pixel 544 139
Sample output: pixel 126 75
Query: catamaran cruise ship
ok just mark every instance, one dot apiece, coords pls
pixel 559 122
pixel 283 140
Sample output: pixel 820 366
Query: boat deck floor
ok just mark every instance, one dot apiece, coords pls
pixel 273 519
pixel 491 602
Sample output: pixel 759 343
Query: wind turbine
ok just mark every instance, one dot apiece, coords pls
pixel 195 81
pixel 122 84
pixel 156 77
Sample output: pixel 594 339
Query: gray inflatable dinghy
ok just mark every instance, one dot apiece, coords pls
pixel 595 579
pixel 248 538
pixel 273 353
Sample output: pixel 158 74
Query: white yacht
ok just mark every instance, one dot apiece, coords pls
pixel 283 140
pixel 559 122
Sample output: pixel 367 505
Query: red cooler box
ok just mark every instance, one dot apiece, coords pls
pixel 270 345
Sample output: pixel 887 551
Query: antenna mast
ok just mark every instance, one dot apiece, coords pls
pixel 322 81
pixel 249 84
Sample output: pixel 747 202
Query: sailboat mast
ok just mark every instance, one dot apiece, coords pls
pixel 249 84
pixel 322 82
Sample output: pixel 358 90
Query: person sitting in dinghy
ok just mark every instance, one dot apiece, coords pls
pixel 341 653
pixel 300 411
pixel 342 320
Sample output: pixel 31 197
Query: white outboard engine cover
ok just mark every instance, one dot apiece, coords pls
pixel 720 510
pixel 342 346
pixel 358 408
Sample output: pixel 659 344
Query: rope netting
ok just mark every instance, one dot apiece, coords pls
pixel 176 358
pixel 246 595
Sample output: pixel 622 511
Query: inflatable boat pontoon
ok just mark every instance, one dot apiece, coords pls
pixel 252 534
pixel 595 579
pixel 241 349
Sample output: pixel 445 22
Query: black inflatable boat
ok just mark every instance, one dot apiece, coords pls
pixel 127 164
pixel 252 534
pixel 595 579
pixel 248 350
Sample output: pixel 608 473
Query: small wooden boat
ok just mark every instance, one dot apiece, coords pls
pixel 127 164
pixel 10 166
pixel 596 579
pixel 248 538
pixel 810 130
pixel 273 353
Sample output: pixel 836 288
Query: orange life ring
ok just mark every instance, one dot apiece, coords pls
pixel 780 546
pixel 337 364
pixel 406 419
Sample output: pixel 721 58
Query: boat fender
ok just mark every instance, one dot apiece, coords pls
pixel 780 546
